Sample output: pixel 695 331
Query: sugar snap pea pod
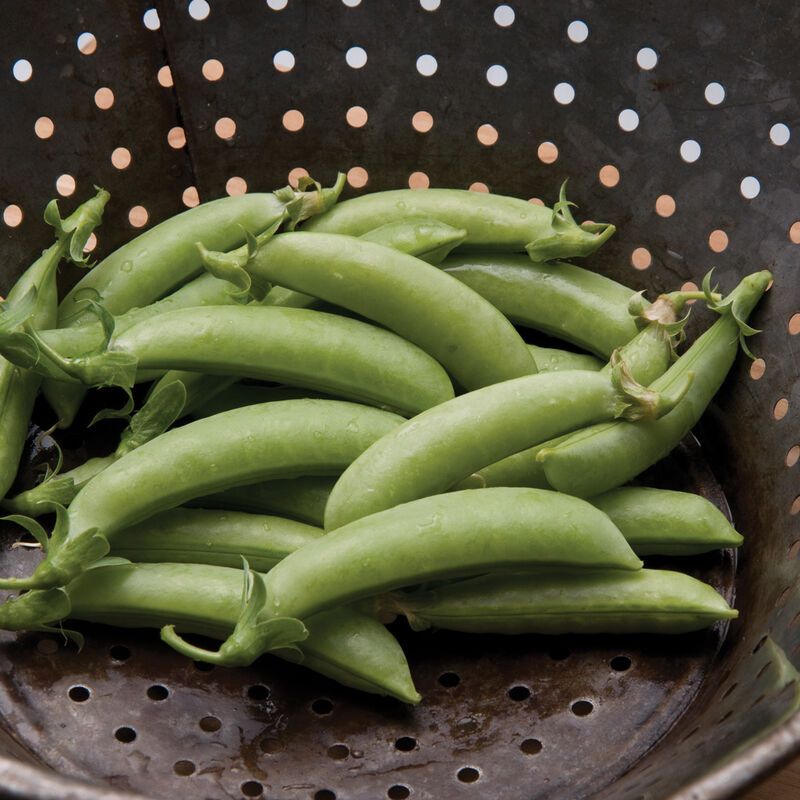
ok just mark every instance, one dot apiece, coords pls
pixel 492 222
pixel 553 359
pixel 444 536
pixel 647 601
pixel 162 258
pixel 443 445
pixel 302 498
pixel 303 347
pixel 604 456
pixel 213 536
pixel 36 289
pixel 423 237
pixel 246 445
pixel 343 644
pixel 474 342
pixel 666 522
pixel 560 299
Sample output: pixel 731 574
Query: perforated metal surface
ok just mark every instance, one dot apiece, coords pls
pixel 508 727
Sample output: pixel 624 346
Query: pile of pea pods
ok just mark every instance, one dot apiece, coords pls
pixel 344 426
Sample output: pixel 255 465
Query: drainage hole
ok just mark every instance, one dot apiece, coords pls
pixel 258 692
pixel 324 794
pixel 338 751
pixel 406 743
pixel 468 775
pixel 322 706
pixel 519 693
pixel 271 745
pixel 158 692
pixel 449 679
pixel 398 792
pixel 78 694
pixel 620 663
pixel 531 747
pixel 559 653
pixel 209 724
pixel 252 789
pixel 582 708
pixel 125 735
pixel 119 652
pixel 183 768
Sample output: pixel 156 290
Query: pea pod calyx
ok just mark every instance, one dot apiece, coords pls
pixel 568 236
pixel 253 634
pixel 637 402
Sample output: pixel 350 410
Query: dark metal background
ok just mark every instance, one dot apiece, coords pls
pixel 666 725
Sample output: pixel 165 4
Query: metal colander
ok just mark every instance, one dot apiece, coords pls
pixel 676 122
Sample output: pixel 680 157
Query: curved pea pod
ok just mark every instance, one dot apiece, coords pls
pixel 342 644
pixel 445 536
pixel 333 354
pixel 611 602
pixel 666 522
pixel 301 498
pixel 247 445
pixel 559 299
pixel 443 445
pixel 492 221
pixel 36 291
pixel 211 536
pixel 474 342
pixel 423 237
pixel 604 456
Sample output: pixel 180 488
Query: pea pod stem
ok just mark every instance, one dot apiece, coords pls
pixel 232 449
pixel 603 456
pixel 342 643
pixel 612 602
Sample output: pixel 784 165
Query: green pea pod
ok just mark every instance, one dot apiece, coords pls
pixel 559 299
pixel 553 359
pixel 444 536
pixel 339 356
pixel 445 444
pixel 492 222
pixel 343 644
pixel 296 437
pixel 423 237
pixel 474 342
pixel 603 456
pixel 611 602
pixel 302 498
pixel 19 387
pixel 666 522
pixel 161 259
pixel 211 536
